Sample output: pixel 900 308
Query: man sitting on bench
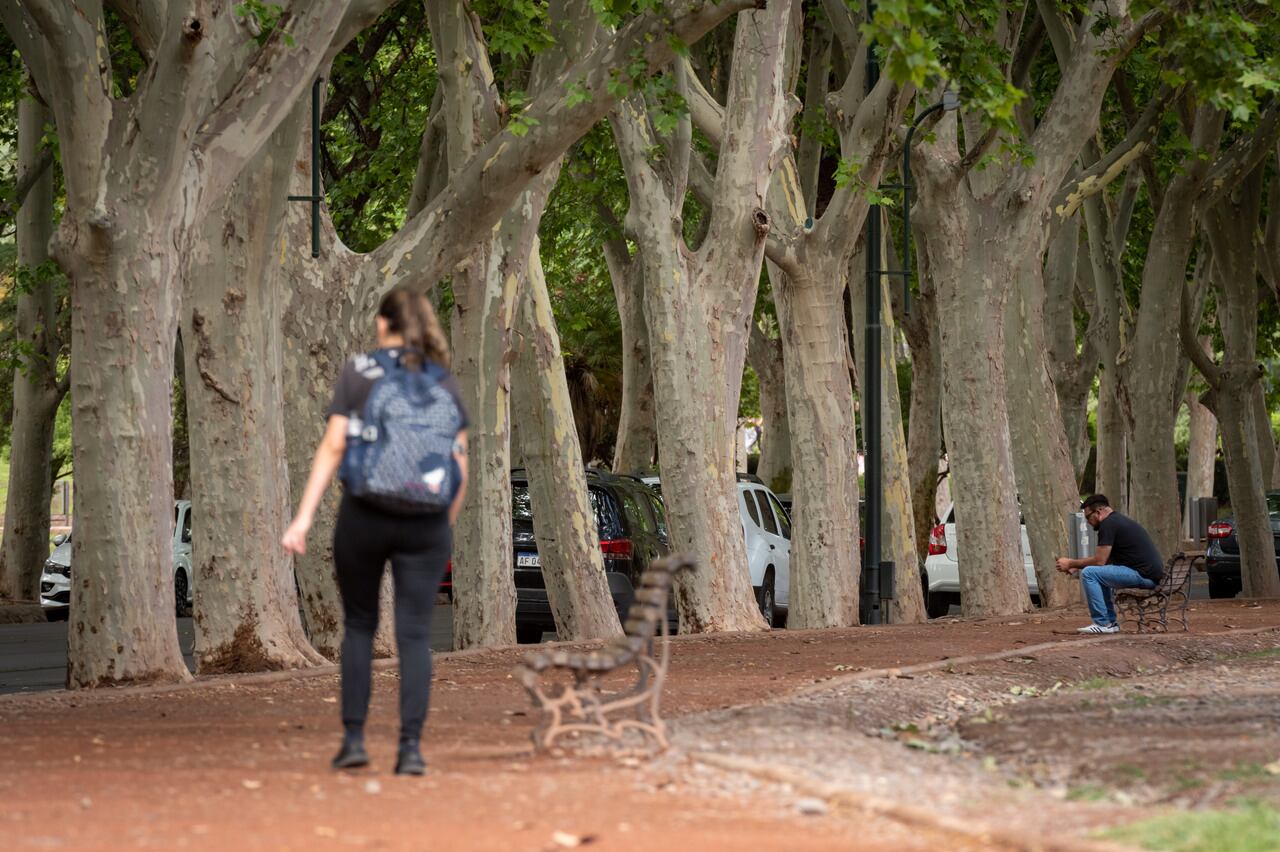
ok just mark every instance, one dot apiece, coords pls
pixel 1125 558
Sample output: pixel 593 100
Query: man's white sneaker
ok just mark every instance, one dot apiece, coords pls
pixel 1100 628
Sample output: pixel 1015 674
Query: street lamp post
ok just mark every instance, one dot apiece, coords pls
pixel 879 576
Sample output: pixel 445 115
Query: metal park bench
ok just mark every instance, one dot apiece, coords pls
pixel 578 704
pixel 1150 607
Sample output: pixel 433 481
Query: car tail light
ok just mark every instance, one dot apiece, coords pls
pixel 447 582
pixel 938 540
pixel 1220 529
pixel 617 548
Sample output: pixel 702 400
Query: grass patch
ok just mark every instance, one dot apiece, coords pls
pixel 1130 772
pixel 1244 772
pixel 1187 783
pixel 1265 654
pixel 1097 683
pixel 1254 828
pixel 1087 793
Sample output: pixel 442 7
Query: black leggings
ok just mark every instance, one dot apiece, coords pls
pixel 418 547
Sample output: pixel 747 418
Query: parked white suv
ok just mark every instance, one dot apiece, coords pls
pixel 55 582
pixel 766 529
pixel 942 570
pixel 766 526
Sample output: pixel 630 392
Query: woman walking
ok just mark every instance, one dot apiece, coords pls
pixel 397 429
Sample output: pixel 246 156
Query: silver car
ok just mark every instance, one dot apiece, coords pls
pixel 55 582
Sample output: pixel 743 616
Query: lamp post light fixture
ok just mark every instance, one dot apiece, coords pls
pixel 878 585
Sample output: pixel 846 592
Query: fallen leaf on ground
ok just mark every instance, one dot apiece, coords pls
pixel 1273 768
pixel 565 840
pixel 250 784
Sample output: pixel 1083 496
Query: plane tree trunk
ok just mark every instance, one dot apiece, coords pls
pixel 37 389
pixel 1232 227
pixel 246 603
pixel 698 304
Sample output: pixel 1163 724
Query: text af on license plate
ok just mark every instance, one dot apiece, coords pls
pixel 527 560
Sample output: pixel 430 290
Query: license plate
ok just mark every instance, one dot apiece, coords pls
pixel 527 560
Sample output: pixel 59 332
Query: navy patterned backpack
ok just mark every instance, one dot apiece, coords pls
pixel 399 452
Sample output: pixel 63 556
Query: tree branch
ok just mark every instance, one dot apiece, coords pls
pixel 25 182
pixel 1241 158
pixel 1139 139
pixel 975 154
pixel 809 152
pixel 868 132
pixel 844 25
pixel 1212 372
pixel 680 145
pixel 144 19
pixel 483 188
pixel 277 78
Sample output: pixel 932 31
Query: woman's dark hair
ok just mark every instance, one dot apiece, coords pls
pixel 411 316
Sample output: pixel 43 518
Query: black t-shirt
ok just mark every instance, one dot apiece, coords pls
pixel 1130 546
pixel 357 380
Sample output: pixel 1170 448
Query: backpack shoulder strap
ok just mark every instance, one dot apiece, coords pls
pixel 385 360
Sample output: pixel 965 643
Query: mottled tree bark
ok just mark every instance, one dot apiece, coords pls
pixel 1041 453
pixel 137 184
pixel 924 430
pixel 1072 367
pixel 1202 453
pixel 697 375
pixel 37 392
pixel 981 230
pixel 1149 379
pixel 563 520
pixel 1154 377
pixel 1232 229
pixel 966 254
pixel 764 354
pixel 637 424
pixel 812 261
pixel 246 604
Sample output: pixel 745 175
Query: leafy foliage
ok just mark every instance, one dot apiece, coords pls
pixel 380 91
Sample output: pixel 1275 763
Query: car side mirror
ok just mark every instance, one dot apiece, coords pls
pixel 60 539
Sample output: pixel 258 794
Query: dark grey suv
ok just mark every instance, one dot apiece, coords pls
pixel 1222 558
pixel 631 523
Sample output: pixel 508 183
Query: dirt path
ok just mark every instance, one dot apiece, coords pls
pixel 242 763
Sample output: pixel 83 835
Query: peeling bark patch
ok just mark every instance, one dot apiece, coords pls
pixel 233 301
pixel 204 353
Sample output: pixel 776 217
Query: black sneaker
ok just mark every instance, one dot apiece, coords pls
pixel 352 754
pixel 409 761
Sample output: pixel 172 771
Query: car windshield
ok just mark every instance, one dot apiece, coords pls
pixel 1273 505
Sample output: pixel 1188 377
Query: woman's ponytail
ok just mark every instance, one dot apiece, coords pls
pixel 410 315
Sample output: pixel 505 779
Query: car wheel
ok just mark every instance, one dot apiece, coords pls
pixel 938 604
pixel 529 634
pixel 180 591
pixel 1223 587
pixel 764 597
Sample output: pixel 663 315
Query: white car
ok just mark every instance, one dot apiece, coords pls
pixel 766 529
pixel 942 571
pixel 55 582
pixel 766 526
